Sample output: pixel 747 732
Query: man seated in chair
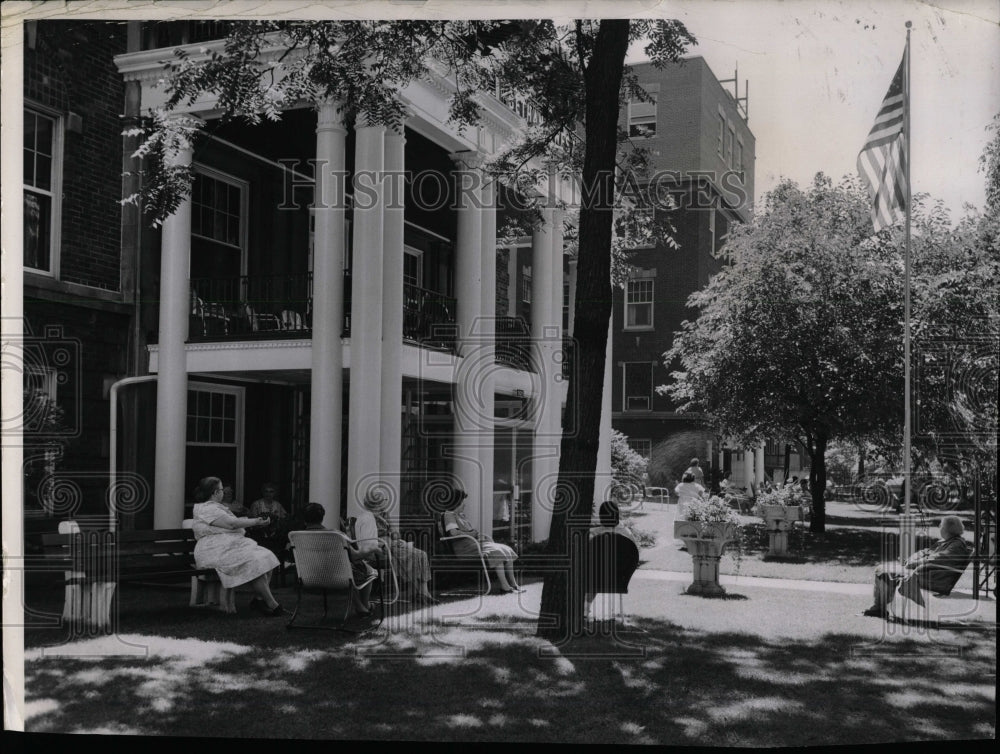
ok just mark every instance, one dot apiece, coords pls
pixel 609 517
pixel 936 569
pixel 312 517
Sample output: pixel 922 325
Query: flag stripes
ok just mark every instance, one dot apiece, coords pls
pixel 881 161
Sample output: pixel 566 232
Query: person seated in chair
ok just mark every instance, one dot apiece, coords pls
pixel 609 517
pixel 935 569
pixel 411 563
pixel 499 557
pixel 312 516
pixel 274 536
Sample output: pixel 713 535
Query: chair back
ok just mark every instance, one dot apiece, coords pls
pixel 611 560
pixel 321 559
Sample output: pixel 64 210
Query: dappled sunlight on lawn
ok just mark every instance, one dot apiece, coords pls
pixel 703 680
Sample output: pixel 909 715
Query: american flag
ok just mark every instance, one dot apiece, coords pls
pixel 882 160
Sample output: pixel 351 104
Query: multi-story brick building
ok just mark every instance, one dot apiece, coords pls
pixel 702 155
pixel 323 348
pixel 78 284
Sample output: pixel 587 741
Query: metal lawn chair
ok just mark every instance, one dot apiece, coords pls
pixel 323 565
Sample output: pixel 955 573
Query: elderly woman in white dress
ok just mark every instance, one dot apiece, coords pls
pixel 222 544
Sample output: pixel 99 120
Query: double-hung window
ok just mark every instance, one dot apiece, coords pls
pixel 42 173
pixel 639 304
pixel 641 446
pixel 638 382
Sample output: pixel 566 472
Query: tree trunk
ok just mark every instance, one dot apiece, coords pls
pixel 817 484
pixel 861 461
pixel 561 614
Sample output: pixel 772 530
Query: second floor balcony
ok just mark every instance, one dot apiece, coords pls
pixel 251 307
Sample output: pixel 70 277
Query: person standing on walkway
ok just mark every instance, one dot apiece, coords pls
pixel 695 470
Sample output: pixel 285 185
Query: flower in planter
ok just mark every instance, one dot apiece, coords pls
pixel 710 510
pixel 784 496
pixel 715 510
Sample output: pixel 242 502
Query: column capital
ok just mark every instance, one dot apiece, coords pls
pixel 328 116
pixel 361 123
pixel 470 159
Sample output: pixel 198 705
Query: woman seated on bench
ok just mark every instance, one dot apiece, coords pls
pixel 936 569
pixel 498 556
pixel 222 545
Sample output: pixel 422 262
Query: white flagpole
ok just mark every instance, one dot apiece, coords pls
pixel 906 541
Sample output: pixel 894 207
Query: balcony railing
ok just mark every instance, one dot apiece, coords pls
pixel 428 317
pixel 513 343
pixel 269 306
pixel 251 306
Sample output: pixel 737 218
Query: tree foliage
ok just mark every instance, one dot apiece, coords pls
pixel 799 335
pixel 575 79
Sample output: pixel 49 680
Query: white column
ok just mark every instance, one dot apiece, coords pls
pixel 468 437
pixel 557 383
pixel 545 448
pixel 602 476
pixel 364 446
pixel 572 297
pixel 513 281
pixel 171 390
pixel 488 309
pixel 758 471
pixel 326 413
pixel 392 319
pixel 748 468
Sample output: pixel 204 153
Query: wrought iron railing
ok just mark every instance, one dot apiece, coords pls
pixel 249 306
pixel 428 317
pixel 513 343
pixel 267 306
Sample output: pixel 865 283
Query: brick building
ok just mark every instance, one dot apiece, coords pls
pixel 702 155
pixel 78 284
pixel 325 351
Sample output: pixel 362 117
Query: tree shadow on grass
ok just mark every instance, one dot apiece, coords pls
pixel 689 687
pixel 847 546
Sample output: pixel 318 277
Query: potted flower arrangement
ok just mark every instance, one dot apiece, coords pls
pixel 780 508
pixel 706 527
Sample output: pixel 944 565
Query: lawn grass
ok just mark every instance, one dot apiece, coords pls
pixel 764 667
pixel 847 552
pixel 711 673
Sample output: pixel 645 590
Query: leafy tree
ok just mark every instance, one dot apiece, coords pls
pixel 576 78
pixel 955 327
pixel 799 336
pixel 627 466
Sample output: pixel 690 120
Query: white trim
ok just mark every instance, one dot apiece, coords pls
pixel 263 159
pixel 652 322
pixel 244 187
pixel 429 232
pixel 418 254
pixel 56 190
pixel 238 431
pixel 625 394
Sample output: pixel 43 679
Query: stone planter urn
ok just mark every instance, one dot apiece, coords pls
pixel 706 541
pixel 778 520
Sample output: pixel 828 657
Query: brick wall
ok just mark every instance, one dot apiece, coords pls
pixel 71 70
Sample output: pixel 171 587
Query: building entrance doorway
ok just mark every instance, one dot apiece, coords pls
pixel 512 470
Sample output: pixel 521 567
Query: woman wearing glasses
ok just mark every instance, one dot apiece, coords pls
pixel 222 545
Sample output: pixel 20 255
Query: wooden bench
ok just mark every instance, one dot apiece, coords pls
pixel 96 561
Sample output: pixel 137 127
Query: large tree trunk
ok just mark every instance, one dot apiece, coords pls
pixel 817 484
pixel 562 593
